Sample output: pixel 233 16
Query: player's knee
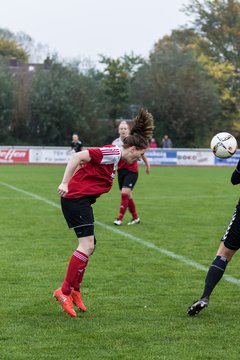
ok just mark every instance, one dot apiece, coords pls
pixel 94 246
pixel 86 244
pixel 86 238
pixel 226 252
pixel 126 191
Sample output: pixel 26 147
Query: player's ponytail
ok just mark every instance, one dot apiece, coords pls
pixel 141 132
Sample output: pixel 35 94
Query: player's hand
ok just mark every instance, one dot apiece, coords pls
pixel 148 168
pixel 63 189
pixel 81 163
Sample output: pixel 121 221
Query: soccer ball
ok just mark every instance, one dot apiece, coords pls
pixel 224 145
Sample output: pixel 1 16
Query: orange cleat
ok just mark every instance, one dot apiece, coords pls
pixel 77 299
pixel 66 302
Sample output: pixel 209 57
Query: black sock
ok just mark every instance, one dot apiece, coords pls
pixel 214 274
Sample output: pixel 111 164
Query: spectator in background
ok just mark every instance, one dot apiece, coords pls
pixel 166 142
pixel 153 144
pixel 76 144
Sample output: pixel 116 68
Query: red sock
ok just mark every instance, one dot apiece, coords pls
pixel 78 279
pixel 123 205
pixel 75 272
pixel 132 208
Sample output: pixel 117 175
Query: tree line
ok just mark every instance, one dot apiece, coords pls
pixel 190 83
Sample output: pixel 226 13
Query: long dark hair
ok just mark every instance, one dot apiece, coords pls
pixel 141 132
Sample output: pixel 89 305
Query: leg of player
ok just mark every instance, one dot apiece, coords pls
pixel 125 193
pixel 86 246
pixel 132 208
pixel 214 275
pixel 70 290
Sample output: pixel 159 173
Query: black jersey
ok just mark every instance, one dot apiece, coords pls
pixel 77 146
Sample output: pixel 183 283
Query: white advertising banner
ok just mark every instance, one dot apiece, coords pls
pixel 49 156
pixel 195 158
pixel 165 157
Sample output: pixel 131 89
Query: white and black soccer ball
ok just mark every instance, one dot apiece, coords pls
pixel 224 145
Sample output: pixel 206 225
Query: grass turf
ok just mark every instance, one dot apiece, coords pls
pixel 136 296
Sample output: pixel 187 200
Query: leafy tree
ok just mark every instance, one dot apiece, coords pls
pixel 118 74
pixel 7 103
pixel 222 73
pixel 218 22
pixel 180 93
pixel 32 52
pixel 224 76
pixel 9 49
pixel 64 101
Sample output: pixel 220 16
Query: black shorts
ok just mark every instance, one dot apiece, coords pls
pixel 127 178
pixel 79 214
pixel 231 238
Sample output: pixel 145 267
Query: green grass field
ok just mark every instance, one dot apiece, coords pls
pixel 137 295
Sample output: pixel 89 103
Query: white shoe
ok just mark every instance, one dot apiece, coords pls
pixel 117 222
pixel 134 221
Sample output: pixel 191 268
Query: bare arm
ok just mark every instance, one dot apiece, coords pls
pixel 76 161
pixel 146 162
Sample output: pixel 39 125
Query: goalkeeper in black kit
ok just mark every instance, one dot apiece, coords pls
pixel 229 245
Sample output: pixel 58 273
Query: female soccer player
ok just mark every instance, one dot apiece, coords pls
pixel 127 178
pixel 230 243
pixel 88 175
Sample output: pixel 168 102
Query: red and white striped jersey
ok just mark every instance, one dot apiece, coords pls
pixel 122 163
pixel 95 177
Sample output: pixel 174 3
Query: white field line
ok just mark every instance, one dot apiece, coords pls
pixel 194 197
pixel 16 198
pixel 161 250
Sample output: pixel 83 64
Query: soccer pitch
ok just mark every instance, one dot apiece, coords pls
pixel 140 280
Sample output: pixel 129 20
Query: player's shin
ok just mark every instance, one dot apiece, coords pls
pixel 123 205
pixel 132 208
pixel 75 272
pixel 214 275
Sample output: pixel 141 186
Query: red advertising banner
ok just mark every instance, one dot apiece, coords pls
pixel 14 156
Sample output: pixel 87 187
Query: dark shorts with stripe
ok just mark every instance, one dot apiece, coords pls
pixel 127 178
pixel 231 238
pixel 79 214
